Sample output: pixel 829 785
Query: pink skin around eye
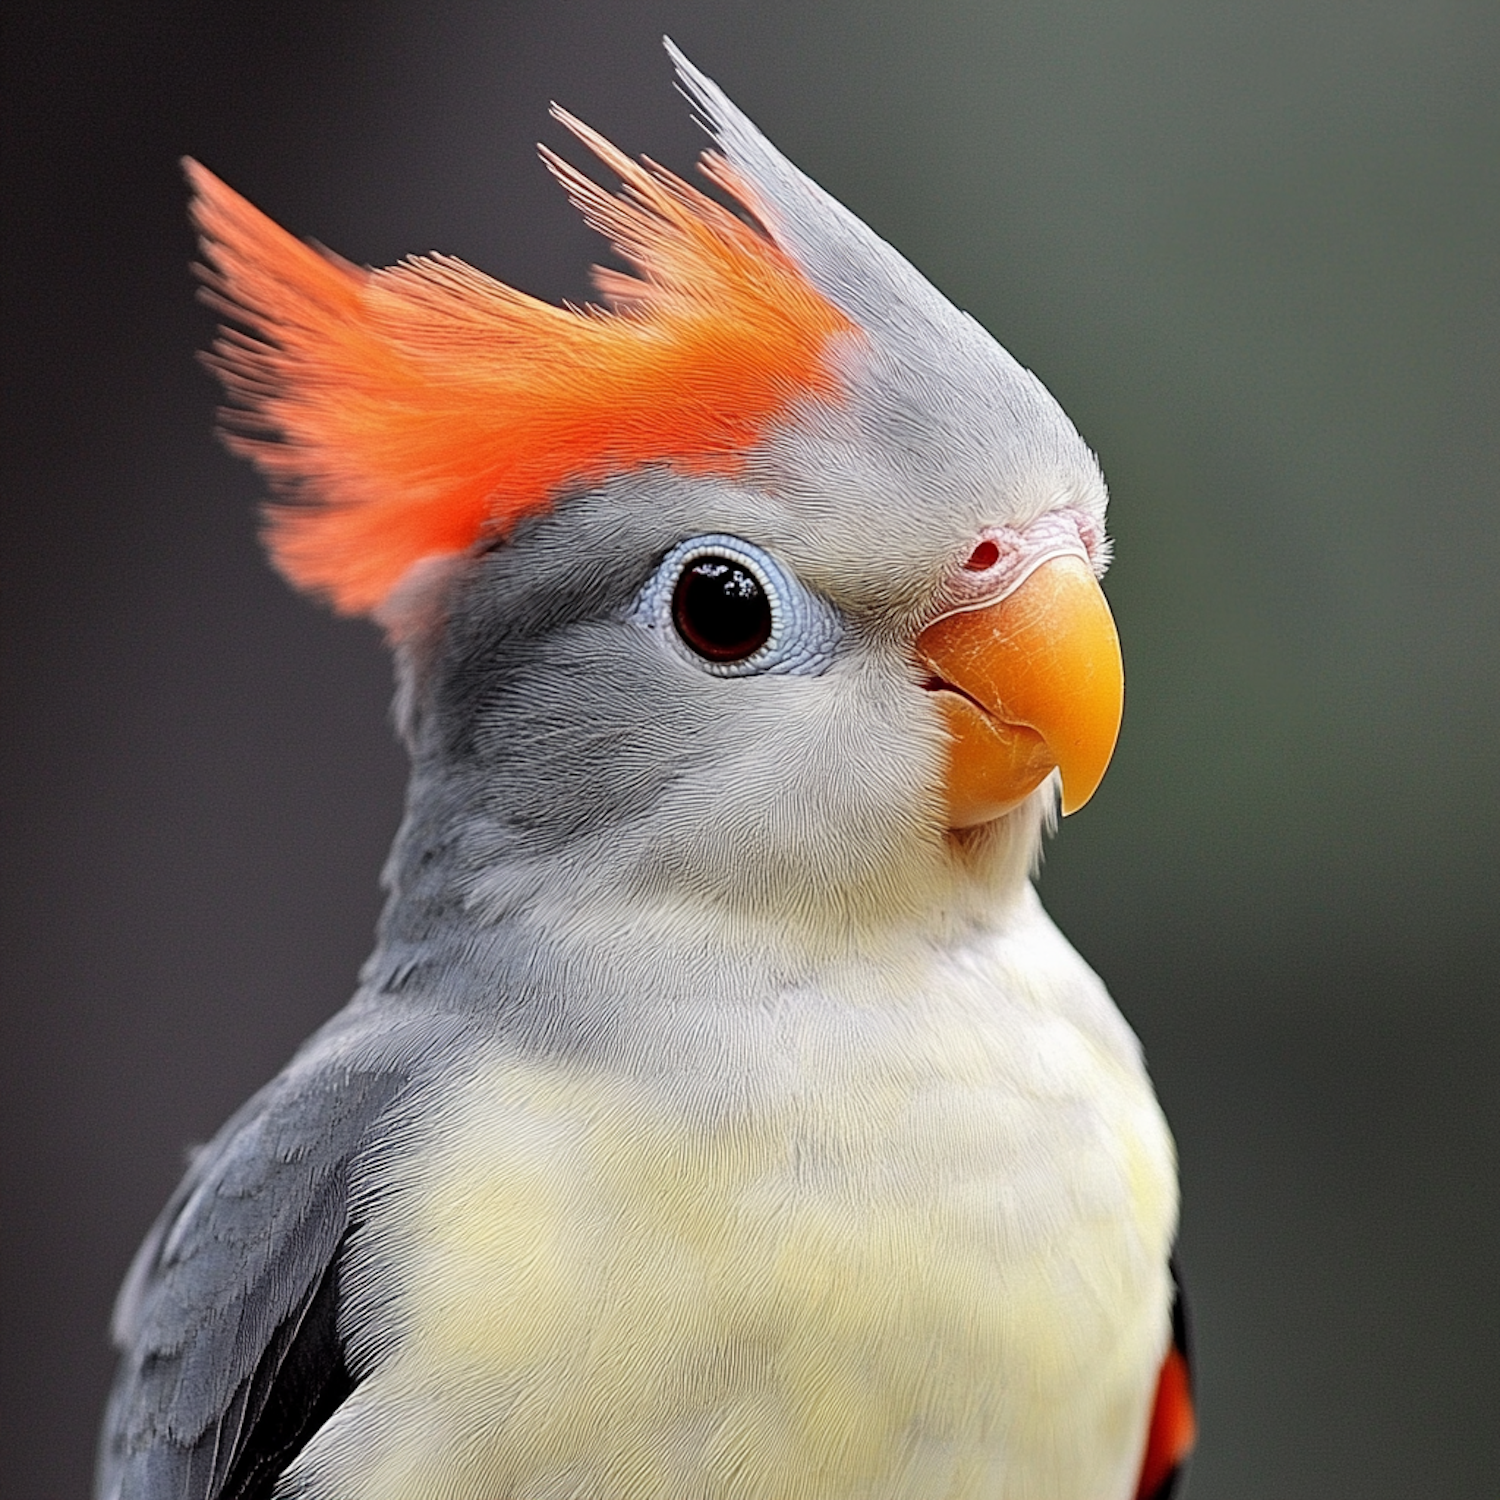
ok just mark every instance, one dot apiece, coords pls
pixel 1003 557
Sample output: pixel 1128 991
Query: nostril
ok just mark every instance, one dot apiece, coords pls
pixel 984 556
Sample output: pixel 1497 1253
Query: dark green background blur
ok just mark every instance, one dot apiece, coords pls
pixel 1251 247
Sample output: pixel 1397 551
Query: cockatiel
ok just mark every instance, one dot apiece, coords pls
pixel 719 1117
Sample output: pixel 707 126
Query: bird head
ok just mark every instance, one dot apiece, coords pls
pixel 770 582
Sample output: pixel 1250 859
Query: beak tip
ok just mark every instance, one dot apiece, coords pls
pixel 1079 783
pixel 1070 804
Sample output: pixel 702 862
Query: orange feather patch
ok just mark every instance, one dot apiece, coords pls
pixel 1173 1429
pixel 412 411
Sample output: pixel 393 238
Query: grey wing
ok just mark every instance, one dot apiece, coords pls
pixel 227 1322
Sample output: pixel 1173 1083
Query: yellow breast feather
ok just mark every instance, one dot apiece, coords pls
pixel 827 1292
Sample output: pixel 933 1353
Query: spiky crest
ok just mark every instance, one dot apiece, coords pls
pixel 412 411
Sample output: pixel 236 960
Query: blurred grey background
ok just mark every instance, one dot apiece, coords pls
pixel 1251 246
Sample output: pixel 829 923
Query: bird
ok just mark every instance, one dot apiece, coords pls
pixel 719 1116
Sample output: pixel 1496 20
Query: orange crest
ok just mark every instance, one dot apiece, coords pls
pixel 412 411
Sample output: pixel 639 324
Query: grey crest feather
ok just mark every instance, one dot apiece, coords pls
pixel 933 395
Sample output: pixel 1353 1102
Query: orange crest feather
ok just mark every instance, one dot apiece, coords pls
pixel 411 411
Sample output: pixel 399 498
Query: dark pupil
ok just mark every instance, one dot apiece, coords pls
pixel 720 609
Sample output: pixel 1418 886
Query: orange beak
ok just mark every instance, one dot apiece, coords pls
pixel 1026 686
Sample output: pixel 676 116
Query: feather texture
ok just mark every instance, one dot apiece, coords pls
pixel 416 410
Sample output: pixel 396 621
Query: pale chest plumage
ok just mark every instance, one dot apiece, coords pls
pixel 912 1251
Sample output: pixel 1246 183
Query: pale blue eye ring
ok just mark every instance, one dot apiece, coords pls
pixel 805 628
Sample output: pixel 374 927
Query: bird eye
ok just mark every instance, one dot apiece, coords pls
pixel 720 609
pixel 734 610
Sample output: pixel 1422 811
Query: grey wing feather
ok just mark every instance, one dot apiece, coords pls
pixel 219 1289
